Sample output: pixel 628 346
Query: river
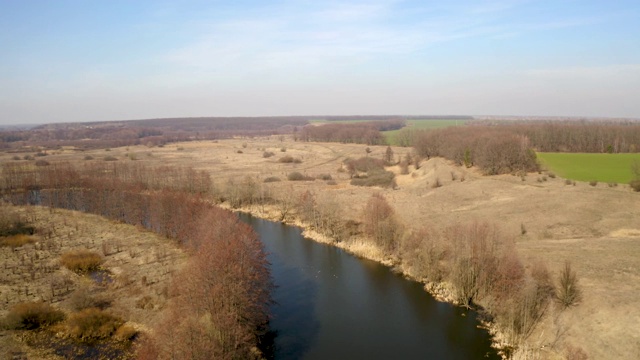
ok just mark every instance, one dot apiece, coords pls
pixel 332 305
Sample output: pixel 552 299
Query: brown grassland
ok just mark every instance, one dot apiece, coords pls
pixel 596 228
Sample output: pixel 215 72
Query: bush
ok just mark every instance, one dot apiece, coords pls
pixel 635 185
pixel 272 179
pixel 436 184
pixel 28 157
pixel 325 177
pixel 380 178
pixel 88 157
pixel 283 149
pixel 568 182
pixel 82 298
pixel 297 176
pixel 15 241
pixel 240 152
pixel 364 164
pixel 593 183
pixel 267 154
pixel 93 324
pixel 332 182
pixel 110 158
pixel 125 333
pixel 289 159
pixel 16 157
pixel 32 315
pixel 552 175
pixel 42 163
pixel 569 292
pixel 81 261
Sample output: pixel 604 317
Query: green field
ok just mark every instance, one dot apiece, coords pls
pixel 422 124
pixel 587 167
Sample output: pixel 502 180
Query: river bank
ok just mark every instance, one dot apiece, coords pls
pixel 361 248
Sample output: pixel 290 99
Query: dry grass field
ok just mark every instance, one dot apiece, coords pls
pixel 132 283
pixel 597 228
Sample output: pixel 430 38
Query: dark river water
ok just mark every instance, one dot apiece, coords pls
pixel 332 305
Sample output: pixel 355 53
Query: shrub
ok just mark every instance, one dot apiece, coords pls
pixel 267 154
pixel 364 164
pixel 110 158
pixel 92 324
pixel 32 315
pixel 88 157
pixel 380 178
pixel 332 182
pixel 436 184
pixel 82 298
pixel 15 157
pixel 569 292
pixel 41 153
pixel 552 175
pixel 635 185
pixel 568 182
pixel 272 179
pixel 297 176
pixel 42 163
pixel 240 152
pixel 15 241
pixel 325 177
pixel 180 148
pixel 289 159
pixel 404 167
pixel 612 184
pixel 593 183
pixel 28 157
pixel 125 333
pixel 244 145
pixel 81 261
pixel 283 149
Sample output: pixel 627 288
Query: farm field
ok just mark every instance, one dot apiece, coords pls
pixel 422 124
pixel 589 167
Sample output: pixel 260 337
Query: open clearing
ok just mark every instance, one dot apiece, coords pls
pixel 588 167
pixel 597 228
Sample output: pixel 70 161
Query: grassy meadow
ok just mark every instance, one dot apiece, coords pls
pixel 590 167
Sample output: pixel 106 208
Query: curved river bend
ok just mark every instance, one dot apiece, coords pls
pixel 332 305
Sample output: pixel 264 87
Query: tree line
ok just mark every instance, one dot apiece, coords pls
pixel 353 132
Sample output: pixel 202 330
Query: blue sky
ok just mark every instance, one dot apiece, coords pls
pixel 108 60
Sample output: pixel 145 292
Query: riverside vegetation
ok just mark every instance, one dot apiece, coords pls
pixel 433 219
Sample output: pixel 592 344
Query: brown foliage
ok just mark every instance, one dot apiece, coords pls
pixel 15 241
pixel 221 297
pixel 32 315
pixel 495 150
pixel 81 261
pixel 92 324
pixel 380 223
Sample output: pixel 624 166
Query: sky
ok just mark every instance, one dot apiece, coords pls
pixel 68 61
